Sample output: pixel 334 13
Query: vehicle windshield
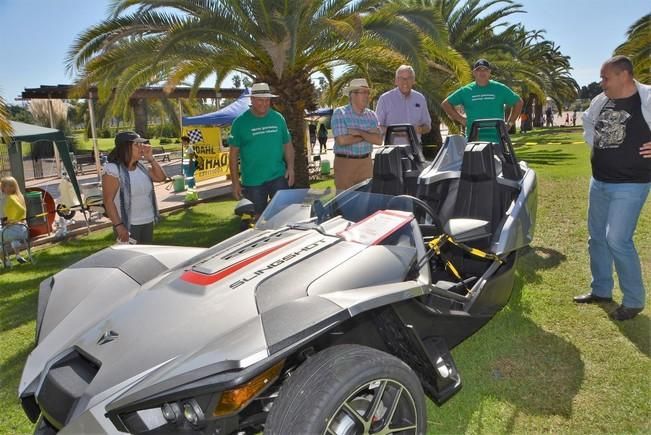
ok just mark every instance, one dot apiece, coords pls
pixel 315 206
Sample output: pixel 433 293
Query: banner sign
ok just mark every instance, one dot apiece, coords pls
pixel 206 141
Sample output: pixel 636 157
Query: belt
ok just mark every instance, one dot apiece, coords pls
pixel 351 156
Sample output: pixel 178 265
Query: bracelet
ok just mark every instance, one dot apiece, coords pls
pixel 117 225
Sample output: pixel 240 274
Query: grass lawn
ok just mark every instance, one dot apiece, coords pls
pixel 107 144
pixel 543 364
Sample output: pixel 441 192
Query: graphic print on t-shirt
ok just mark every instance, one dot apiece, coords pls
pixel 610 130
pixel 267 129
pixel 483 97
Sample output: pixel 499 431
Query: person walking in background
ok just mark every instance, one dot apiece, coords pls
pixel 311 127
pixel 483 99
pixel 128 188
pixel 14 213
pixel 261 146
pixel 403 105
pixel 355 128
pixel 574 119
pixel 323 138
pixel 567 119
pixel 617 126
pixel 523 122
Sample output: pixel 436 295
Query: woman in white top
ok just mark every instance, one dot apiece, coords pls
pixel 128 188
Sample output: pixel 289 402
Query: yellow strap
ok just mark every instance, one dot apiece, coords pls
pixel 476 252
pixel 453 270
pixel 436 244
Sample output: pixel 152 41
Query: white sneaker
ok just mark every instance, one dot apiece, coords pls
pixel 21 259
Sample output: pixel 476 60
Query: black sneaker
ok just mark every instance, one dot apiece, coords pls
pixel 589 298
pixel 624 313
pixel 20 259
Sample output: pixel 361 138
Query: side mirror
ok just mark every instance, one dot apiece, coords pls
pixel 244 206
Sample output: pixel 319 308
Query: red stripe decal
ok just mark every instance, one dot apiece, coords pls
pixel 203 279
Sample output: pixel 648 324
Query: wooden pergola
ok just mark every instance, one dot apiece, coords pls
pixel 67 92
pixel 64 92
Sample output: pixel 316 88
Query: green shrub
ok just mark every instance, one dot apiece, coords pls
pixel 168 130
pixel 152 132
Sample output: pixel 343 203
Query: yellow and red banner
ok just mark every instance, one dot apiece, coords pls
pixel 212 160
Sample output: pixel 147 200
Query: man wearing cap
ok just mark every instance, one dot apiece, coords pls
pixel 355 128
pixel 482 99
pixel 259 139
pixel 403 105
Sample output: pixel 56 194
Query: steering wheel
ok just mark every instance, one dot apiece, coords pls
pixel 435 228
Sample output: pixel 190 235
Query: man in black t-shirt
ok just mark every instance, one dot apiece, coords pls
pixel 618 127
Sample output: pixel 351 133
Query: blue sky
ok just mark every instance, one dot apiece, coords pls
pixel 35 35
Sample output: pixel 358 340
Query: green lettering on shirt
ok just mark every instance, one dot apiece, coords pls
pixel 261 142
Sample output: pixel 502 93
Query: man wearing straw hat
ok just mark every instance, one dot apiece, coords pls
pixel 260 140
pixel 355 128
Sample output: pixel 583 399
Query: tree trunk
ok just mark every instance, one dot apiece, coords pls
pixel 296 94
pixel 538 110
pixel 433 140
pixel 139 107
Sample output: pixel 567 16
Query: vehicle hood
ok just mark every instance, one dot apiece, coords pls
pixel 183 321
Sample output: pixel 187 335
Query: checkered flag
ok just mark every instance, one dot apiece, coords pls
pixel 195 136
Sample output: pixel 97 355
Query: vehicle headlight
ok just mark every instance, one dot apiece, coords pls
pixel 192 413
pixel 171 412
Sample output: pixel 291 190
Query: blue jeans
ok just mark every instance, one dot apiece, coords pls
pixel 613 211
pixel 260 195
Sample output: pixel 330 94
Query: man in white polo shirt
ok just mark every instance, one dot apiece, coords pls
pixel 403 105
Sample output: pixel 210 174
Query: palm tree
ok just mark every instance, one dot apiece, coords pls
pixel 537 69
pixel 474 26
pixel 5 126
pixel 531 65
pixel 638 48
pixel 474 30
pixel 281 42
pixel 417 30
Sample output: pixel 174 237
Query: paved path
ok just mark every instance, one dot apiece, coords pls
pixel 168 200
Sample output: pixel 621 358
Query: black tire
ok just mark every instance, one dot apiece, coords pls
pixel 65 212
pixel 313 399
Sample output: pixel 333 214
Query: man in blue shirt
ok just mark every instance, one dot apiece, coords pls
pixel 355 128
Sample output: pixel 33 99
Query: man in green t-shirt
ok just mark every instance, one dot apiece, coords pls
pixel 260 141
pixel 482 99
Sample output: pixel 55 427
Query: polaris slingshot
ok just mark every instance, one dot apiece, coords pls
pixel 334 315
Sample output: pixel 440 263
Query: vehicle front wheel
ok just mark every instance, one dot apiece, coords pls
pixel 350 389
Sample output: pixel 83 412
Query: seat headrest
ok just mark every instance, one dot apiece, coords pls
pixel 478 163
